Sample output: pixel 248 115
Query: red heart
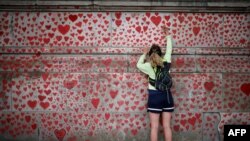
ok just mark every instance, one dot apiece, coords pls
pixel 192 121
pixel 180 62
pixel 41 97
pixel 27 118
pixel 176 128
pixel 209 86
pixel 156 20
pixel 69 84
pixel 73 17
pixel 167 17
pixel 44 105
pixel 60 133
pixel 118 22
pixel 107 116
pixel 45 76
pixel 33 126
pixel 107 62
pixel 63 29
pixel 32 103
pixel 245 88
pixel 181 18
pixel 134 131
pixel 113 93
pixel 80 38
pixel 148 14
pixel 196 30
pixel 118 15
pixel 138 29
pixel 95 102
pixel 106 40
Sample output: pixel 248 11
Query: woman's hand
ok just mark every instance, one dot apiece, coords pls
pixel 145 50
pixel 165 30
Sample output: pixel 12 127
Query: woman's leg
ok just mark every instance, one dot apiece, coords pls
pixel 154 123
pixel 166 117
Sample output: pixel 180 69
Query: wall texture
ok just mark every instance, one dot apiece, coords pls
pixel 71 76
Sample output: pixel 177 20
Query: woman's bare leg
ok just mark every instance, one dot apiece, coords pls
pixel 154 122
pixel 166 117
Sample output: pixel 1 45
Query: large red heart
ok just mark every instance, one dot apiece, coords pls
pixel 209 86
pixel 245 88
pixel 32 103
pixel 63 29
pixel 156 20
pixel 60 133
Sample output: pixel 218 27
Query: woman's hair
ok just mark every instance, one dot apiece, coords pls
pixel 155 56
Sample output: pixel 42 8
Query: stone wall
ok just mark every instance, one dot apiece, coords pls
pixel 72 76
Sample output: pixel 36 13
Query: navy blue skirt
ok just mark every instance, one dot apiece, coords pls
pixel 159 101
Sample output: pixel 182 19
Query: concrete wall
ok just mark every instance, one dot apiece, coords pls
pixel 71 76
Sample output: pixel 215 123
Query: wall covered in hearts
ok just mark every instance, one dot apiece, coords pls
pixel 72 76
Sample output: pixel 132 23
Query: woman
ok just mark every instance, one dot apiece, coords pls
pixel 159 103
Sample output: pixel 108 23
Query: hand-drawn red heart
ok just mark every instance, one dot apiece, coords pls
pixel 32 103
pixel 113 93
pixel 156 20
pixel 192 121
pixel 245 88
pixel 118 15
pixel 209 86
pixel 60 133
pixel 180 62
pixel 95 102
pixel 118 22
pixel 196 30
pixel 45 76
pixel 181 18
pixel 107 62
pixel 63 29
pixel 44 105
pixel 138 29
pixel 73 17
pixel 69 84
pixel 134 131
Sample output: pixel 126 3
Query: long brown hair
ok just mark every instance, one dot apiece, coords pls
pixel 155 56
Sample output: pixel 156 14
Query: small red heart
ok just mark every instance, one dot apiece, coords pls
pixel 113 93
pixel 69 84
pixel 95 102
pixel 181 18
pixel 118 22
pixel 196 30
pixel 118 15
